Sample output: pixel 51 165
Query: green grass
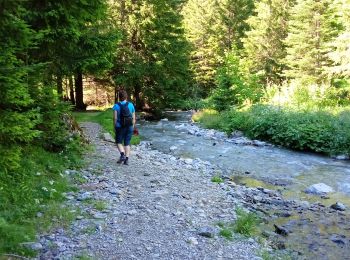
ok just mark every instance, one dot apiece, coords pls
pixel 246 224
pixel 99 205
pixel 105 119
pixel 217 179
pixel 226 233
pixel 31 198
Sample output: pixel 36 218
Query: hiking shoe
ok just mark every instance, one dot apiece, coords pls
pixel 126 162
pixel 121 159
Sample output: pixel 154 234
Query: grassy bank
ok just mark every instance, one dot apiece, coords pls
pixel 31 197
pixel 324 131
pixel 105 119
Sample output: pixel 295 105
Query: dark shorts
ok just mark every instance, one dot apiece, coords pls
pixel 123 135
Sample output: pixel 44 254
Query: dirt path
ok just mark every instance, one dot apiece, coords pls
pixel 158 207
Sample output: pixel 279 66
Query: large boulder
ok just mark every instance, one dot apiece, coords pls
pixel 319 189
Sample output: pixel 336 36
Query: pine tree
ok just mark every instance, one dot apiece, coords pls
pixel 341 45
pixel 213 28
pixel 17 118
pixel 153 55
pixel 264 47
pixel 312 27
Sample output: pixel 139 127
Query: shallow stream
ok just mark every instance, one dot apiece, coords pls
pixel 271 167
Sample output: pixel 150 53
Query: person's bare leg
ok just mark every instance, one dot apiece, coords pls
pixel 127 150
pixel 121 148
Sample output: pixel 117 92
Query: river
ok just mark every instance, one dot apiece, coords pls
pixel 271 167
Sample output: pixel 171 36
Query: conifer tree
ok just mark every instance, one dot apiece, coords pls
pixel 153 55
pixel 312 27
pixel 341 45
pixel 214 27
pixel 264 47
pixel 17 118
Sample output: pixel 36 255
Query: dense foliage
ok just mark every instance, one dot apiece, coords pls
pixel 326 132
pixel 277 69
pixel 41 43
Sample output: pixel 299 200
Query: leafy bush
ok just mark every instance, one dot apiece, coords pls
pixel 323 131
pixel 234 86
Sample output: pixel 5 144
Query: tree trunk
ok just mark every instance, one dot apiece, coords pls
pixel 79 94
pixel 59 87
pixel 139 103
pixel 71 90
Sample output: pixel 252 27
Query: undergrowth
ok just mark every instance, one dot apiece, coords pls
pixel 31 197
pixel 325 131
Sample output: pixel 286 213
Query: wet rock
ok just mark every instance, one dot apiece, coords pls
pixel 188 161
pixel 338 206
pixel 319 189
pixel 237 133
pixel 208 232
pixel 281 230
pixel 173 148
pixel 342 157
pixel 259 143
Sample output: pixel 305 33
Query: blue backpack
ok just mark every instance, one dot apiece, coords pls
pixel 125 115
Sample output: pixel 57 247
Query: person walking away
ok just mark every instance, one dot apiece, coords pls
pixel 124 120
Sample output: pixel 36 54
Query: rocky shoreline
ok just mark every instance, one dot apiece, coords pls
pixel 159 207
pixel 162 208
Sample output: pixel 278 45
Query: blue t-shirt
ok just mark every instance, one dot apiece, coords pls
pixel 116 107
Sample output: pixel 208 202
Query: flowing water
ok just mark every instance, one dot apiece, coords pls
pixel 268 166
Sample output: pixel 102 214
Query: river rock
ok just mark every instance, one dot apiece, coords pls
pixel 208 232
pixel 259 143
pixel 319 189
pixel 338 206
pixel 173 148
pixel 237 133
pixel 281 230
pixel 342 157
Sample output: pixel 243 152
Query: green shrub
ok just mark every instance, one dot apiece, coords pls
pixel 217 179
pixel 246 223
pixel 324 131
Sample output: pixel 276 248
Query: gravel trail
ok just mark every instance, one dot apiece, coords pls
pixel 158 207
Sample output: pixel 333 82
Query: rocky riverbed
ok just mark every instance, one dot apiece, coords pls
pixel 164 206
pixel 158 207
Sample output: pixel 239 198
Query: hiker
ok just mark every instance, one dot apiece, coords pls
pixel 124 122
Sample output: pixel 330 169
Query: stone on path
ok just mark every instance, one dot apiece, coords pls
pixel 319 189
pixel 108 138
pixel 338 206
